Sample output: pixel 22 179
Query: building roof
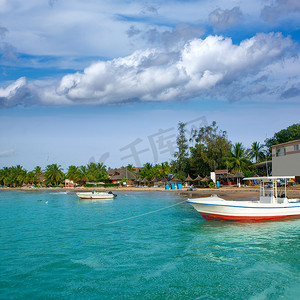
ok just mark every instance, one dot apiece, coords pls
pixel 295 142
pixel 198 178
pixel 221 171
pixel 119 174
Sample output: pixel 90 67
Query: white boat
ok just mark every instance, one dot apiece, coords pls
pixel 272 203
pixel 96 195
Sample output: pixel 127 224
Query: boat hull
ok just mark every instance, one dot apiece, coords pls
pixel 221 209
pixel 95 196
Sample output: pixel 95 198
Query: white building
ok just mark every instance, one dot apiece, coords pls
pixel 286 159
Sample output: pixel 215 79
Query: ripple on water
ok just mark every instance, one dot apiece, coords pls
pixel 62 249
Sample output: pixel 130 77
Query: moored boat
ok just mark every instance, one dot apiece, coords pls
pixel 96 195
pixel 272 204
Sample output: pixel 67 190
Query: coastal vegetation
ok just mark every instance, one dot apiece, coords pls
pixel 208 149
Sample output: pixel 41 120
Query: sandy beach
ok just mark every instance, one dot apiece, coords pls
pixel 231 192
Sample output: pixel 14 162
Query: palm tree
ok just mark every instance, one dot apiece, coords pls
pixel 256 152
pixel 37 174
pixel 74 174
pixel 54 174
pixel 30 177
pixel 19 175
pixel 130 168
pixel 165 169
pixel 238 161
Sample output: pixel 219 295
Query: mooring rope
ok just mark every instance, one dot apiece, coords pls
pixel 147 213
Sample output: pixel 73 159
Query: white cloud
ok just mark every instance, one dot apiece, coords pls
pixel 13 93
pixel 203 67
pixel 199 67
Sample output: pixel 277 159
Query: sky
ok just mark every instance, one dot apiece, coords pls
pixel 109 81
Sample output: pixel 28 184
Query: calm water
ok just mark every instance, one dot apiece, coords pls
pixel 54 246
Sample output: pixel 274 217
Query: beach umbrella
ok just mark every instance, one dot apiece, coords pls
pixel 189 178
pixel 238 176
pixel 206 178
pixel 174 179
pixel 198 178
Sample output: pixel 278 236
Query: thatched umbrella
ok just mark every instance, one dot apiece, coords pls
pixel 154 181
pixel 144 181
pixel 188 179
pixel 198 178
pixel 238 176
pixel 206 178
pixel 175 180
pixel 164 181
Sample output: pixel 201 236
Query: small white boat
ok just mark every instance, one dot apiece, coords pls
pixel 272 204
pixel 96 195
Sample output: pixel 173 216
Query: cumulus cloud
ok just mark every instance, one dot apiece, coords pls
pixel 223 19
pixel 13 93
pixel 280 7
pixel 202 67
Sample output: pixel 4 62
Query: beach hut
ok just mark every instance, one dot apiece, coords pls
pixel 116 175
pixel 175 182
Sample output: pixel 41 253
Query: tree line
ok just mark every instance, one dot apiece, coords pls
pixel 53 175
pixel 211 149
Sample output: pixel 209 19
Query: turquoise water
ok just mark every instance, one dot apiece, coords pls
pixel 54 246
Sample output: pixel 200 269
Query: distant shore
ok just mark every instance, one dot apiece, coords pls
pixel 225 192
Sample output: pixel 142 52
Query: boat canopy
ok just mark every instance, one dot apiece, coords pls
pixel 269 178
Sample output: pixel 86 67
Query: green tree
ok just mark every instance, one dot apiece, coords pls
pixel 74 173
pixel 256 152
pixel 130 168
pixel 165 169
pixel 30 177
pixel 147 171
pixel 210 150
pixel 54 174
pixel 13 176
pixel 238 160
pixel 181 155
pixel 37 174
pixel 289 134
pixel 96 172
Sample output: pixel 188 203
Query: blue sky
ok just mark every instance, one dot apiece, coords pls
pixel 109 81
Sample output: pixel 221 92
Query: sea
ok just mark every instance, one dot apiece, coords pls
pixel 141 245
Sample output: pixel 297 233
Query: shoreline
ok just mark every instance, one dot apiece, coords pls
pixel 225 192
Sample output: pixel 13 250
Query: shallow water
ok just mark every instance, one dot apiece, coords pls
pixel 54 245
